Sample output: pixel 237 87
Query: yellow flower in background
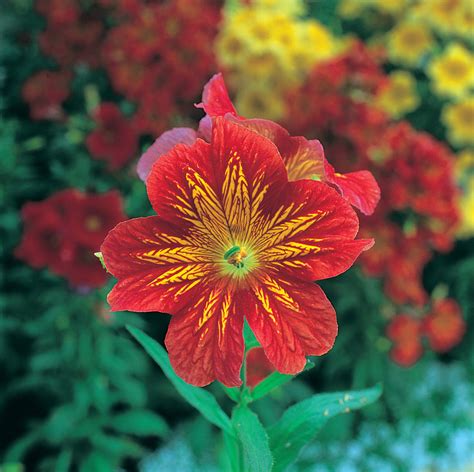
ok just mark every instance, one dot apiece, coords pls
pixel 351 8
pixel 459 119
pixel 399 96
pixel 288 7
pixel 441 14
pixel 464 20
pixel 466 210
pixel 393 7
pixel 267 44
pixel 452 73
pixel 258 100
pixel 464 165
pixel 408 41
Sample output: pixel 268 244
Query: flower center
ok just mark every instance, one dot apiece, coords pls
pixel 93 223
pixel 236 256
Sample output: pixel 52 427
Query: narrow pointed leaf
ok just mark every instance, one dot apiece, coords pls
pixel 274 380
pixel 199 398
pixel 301 422
pixel 139 423
pixel 253 439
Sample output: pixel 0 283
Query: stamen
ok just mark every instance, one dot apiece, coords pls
pixel 235 256
pixel 231 252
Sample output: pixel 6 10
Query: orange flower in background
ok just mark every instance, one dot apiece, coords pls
pixel 258 366
pixel 444 326
pixel 234 238
pixel 405 332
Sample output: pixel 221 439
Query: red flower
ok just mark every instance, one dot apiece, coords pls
pixel 92 216
pixel 45 92
pixel 303 159
pixel 418 176
pixel 41 244
pixel 234 238
pixel 113 140
pixel 63 232
pixel 404 269
pixel 161 69
pixel 444 325
pixel 258 366
pixel 405 332
pixel 59 12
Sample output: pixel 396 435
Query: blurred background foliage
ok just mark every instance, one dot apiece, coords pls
pixel 77 393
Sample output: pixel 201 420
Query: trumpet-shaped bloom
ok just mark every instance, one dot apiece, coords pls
pixel 234 239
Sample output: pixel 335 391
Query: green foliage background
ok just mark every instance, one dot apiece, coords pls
pixel 78 393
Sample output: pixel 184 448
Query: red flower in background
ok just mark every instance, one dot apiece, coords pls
pixel 114 139
pixel 150 64
pixel 444 325
pixel 74 31
pixel 417 176
pixel 45 93
pixel 405 332
pixel 403 282
pixel 234 238
pixel 63 232
pixel 417 211
pixel 258 367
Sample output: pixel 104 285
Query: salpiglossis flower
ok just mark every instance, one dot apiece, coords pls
pixel 234 239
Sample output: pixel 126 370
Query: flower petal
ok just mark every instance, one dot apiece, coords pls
pixel 162 145
pixel 315 240
pixel 219 190
pixel 215 98
pixel 360 188
pixel 158 268
pixel 291 320
pixel 303 158
pixel 205 342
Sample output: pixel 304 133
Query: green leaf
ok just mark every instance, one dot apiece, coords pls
pixel 114 447
pixel 199 398
pixel 249 338
pixel 12 467
pixel 19 448
pixel 231 461
pixel 253 439
pixel 233 393
pixel 139 423
pixel 274 380
pixel 97 462
pixel 64 461
pixel 300 423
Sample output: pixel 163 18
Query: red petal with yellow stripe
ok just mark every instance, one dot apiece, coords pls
pixel 303 158
pixel 159 267
pixel 234 238
pixel 291 319
pixel 205 342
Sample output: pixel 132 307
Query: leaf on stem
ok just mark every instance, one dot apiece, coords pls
pixel 199 398
pixel 301 422
pixel 253 439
